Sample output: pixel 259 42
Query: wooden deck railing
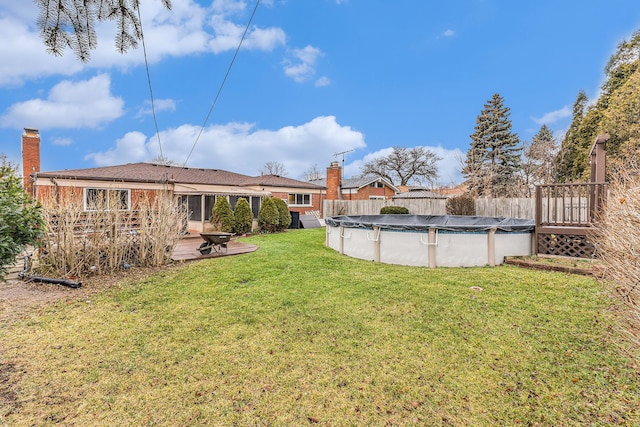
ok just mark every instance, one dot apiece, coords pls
pixel 565 214
pixel 569 205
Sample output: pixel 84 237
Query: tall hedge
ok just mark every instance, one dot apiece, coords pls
pixel 284 216
pixel 269 217
pixel 222 215
pixel 20 218
pixel 243 217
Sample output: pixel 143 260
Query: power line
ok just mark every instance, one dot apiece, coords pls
pixel 215 100
pixel 146 63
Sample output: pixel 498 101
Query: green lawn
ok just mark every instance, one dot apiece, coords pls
pixel 295 334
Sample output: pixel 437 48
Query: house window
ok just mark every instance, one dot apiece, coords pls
pixel 299 199
pixel 376 197
pixel 256 202
pixel 377 184
pixel 106 199
pixel 194 204
pixel 209 203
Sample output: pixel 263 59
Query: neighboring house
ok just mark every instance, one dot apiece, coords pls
pixel 456 191
pixel 355 188
pixel 417 193
pixel 125 184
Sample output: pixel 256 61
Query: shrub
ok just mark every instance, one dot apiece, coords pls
pixel 617 240
pixel 82 243
pixel 284 216
pixel 20 218
pixel 461 205
pixel 394 210
pixel 269 217
pixel 222 217
pixel 243 217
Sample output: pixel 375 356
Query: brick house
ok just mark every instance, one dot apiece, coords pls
pixel 366 188
pixel 125 184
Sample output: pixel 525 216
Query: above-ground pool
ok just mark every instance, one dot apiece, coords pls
pixel 429 240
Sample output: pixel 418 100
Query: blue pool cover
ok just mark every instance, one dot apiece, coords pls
pixel 425 222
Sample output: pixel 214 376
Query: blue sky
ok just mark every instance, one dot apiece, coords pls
pixel 313 78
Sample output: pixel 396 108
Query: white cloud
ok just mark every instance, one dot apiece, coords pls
pixel 84 104
pixel 448 33
pixel 62 141
pixel 159 105
pixel 297 147
pixel 449 168
pixel 24 55
pixel 132 146
pixel 322 81
pixel 185 30
pixel 227 36
pixel 228 6
pixel 304 66
pixel 553 116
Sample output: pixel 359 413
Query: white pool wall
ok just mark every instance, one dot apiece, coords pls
pixel 430 247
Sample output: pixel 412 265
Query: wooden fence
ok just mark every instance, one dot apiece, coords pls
pixel 372 207
pixel 512 208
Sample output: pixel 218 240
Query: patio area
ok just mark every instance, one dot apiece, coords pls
pixel 187 249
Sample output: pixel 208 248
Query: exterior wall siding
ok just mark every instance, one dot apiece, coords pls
pixel 316 201
pixel 366 192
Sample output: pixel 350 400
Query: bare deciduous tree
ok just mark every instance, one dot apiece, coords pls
pixel 539 162
pixel 64 23
pixel 159 160
pixel 404 165
pixel 313 173
pixel 273 168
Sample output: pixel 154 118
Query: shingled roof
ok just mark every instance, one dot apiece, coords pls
pixel 280 181
pixel 419 193
pixel 356 182
pixel 153 173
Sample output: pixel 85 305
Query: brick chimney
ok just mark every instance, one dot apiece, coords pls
pixel 334 181
pixel 30 158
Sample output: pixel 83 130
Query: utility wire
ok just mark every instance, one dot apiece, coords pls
pixel 146 63
pixel 215 100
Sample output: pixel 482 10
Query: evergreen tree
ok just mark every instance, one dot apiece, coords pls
pixel 284 217
pixel 612 113
pixel 222 215
pixel 268 217
pixel 243 217
pixel 539 163
pixel 622 65
pixel 72 24
pixel 20 218
pixel 621 121
pixel 569 149
pixel 493 165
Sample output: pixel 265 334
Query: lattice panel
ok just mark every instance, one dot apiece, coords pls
pixel 569 245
